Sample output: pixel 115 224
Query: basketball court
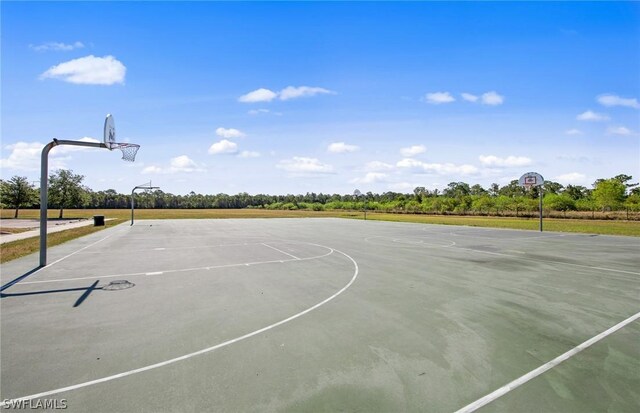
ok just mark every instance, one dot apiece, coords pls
pixel 325 314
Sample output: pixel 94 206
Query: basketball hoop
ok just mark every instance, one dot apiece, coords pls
pixel 129 150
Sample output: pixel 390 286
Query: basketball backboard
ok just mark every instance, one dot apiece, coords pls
pixel 109 132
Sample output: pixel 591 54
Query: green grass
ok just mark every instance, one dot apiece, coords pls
pixel 20 248
pixel 16 249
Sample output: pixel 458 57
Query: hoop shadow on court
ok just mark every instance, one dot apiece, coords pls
pixel 87 291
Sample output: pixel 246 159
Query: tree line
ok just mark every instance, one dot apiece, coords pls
pixel 618 193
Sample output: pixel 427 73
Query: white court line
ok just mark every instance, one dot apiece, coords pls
pixel 472 407
pixel 7 402
pixel 64 258
pixel 279 250
pixel 210 267
pixel 548 261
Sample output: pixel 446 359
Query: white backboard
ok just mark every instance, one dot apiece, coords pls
pixel 109 131
pixel 531 179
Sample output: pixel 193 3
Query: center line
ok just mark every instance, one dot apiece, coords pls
pixel 274 248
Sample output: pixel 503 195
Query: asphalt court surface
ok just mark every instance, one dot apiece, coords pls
pixel 323 315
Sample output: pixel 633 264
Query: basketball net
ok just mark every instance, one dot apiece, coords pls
pixel 129 150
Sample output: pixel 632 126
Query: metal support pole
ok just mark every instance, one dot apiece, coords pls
pixel 132 191
pixel 44 185
pixel 139 187
pixel 540 195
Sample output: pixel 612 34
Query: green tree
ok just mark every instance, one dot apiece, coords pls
pixel 65 190
pixel 560 202
pixel 17 193
pixel 609 193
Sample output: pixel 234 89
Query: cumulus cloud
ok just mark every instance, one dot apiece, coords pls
pixel 438 98
pixel 573 132
pixel 25 156
pixel 613 100
pixel 437 168
pixel 370 178
pixel 222 147
pixel 413 150
pixel 179 164
pixel 619 130
pixel 509 161
pixel 299 164
pixel 152 169
pixel 229 133
pixel 288 93
pixel 492 98
pixel 571 178
pixel 292 92
pixel 249 154
pixel 469 97
pixel 88 70
pixel 592 116
pixel 341 147
pixel 375 166
pixel 258 95
pixel 56 46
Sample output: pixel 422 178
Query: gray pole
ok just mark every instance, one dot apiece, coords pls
pixel 132 204
pixel 540 195
pixel 44 184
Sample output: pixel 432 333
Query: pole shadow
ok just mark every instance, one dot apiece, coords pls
pixel 87 291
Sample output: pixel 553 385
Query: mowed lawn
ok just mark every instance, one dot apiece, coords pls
pixel 604 227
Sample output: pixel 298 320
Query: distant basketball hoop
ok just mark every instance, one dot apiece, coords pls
pixel 532 180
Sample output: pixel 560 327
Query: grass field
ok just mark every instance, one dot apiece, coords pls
pixel 606 227
pixel 21 248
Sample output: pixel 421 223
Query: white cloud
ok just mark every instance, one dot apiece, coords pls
pixel 178 164
pixel 613 100
pixel 437 168
pixel 152 169
pixel 509 161
pixel 403 186
pixel 56 46
pixel 341 147
pixel 23 156
pixel 249 154
pixel 182 163
pixel 26 155
pixel 592 116
pixel 301 164
pixel 469 97
pixel 370 178
pixel 573 132
pixel 492 98
pixel 258 95
pixel 224 146
pixel 89 70
pixel 229 133
pixel 292 92
pixel 619 130
pixel 258 111
pixel 571 178
pixel 413 150
pixel 375 166
pixel 437 98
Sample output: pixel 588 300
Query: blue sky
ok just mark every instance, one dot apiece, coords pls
pixel 323 97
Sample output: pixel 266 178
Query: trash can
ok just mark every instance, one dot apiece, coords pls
pixel 98 220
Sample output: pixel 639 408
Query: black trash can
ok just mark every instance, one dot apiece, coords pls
pixel 98 220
